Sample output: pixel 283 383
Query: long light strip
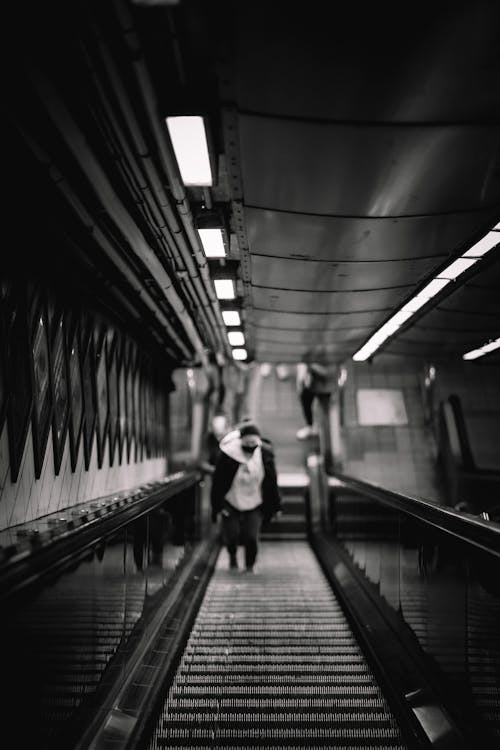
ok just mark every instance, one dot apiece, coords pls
pixel 485 349
pixel 189 141
pixel 213 244
pixel 438 283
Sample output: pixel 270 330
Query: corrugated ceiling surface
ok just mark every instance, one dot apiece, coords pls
pixel 368 160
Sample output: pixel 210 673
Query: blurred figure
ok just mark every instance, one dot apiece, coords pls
pixel 244 491
pixel 313 381
pixel 218 429
pixel 216 387
pixel 236 432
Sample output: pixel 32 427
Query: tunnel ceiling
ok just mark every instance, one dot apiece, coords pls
pixel 364 152
pixel 358 149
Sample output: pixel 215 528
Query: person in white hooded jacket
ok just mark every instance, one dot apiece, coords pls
pixel 244 491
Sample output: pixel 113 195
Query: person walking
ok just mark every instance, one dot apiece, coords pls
pixel 244 491
pixel 314 380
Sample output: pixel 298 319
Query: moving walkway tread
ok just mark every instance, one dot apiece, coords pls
pixel 272 662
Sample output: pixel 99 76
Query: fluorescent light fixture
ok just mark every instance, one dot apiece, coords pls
pixel 239 354
pixel 224 289
pixel 489 347
pixel 189 141
pixel 364 353
pixel 456 268
pixel 414 304
pixel 484 245
pixel 213 244
pixel 231 317
pixel 236 338
pixel 438 283
pixel 401 317
pixel 433 287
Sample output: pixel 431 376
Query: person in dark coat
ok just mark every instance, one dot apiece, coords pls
pixel 244 491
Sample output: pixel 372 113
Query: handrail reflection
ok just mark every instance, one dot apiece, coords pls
pixel 471 529
pixel 30 564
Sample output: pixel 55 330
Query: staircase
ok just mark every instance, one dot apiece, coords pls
pixel 291 523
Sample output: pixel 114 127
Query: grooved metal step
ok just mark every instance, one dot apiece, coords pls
pixel 271 662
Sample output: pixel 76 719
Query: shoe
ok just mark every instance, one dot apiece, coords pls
pixel 233 562
pixel 250 569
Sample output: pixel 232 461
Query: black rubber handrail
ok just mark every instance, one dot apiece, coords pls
pixel 468 461
pixel 25 571
pixel 476 531
pixel 469 465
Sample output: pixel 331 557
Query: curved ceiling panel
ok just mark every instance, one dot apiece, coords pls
pixel 306 338
pixel 436 349
pixel 466 318
pixel 346 69
pixel 309 166
pixel 479 293
pixel 285 234
pixel 317 302
pixel 264 320
pixel 332 276
pixel 445 321
pixel 285 353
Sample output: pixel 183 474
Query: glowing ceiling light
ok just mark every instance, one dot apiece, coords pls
pixel 189 141
pixel 239 354
pixel 401 317
pixel 415 304
pixel 236 338
pixel 364 353
pixel 231 317
pixel 212 242
pixel 435 286
pixel 456 268
pixel 485 349
pixel 484 245
pixel 224 289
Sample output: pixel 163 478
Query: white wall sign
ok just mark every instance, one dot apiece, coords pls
pixel 381 406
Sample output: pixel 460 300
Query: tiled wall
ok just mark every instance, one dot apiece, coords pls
pixel 398 457
pixel 72 369
pixel 31 498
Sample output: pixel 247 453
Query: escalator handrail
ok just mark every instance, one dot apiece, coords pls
pixel 468 462
pixel 24 571
pixel 471 529
pixel 468 465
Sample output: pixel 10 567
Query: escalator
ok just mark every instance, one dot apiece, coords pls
pixel 124 628
pixel 272 662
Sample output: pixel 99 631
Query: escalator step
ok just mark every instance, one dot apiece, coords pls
pixel 272 704
pixel 271 662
